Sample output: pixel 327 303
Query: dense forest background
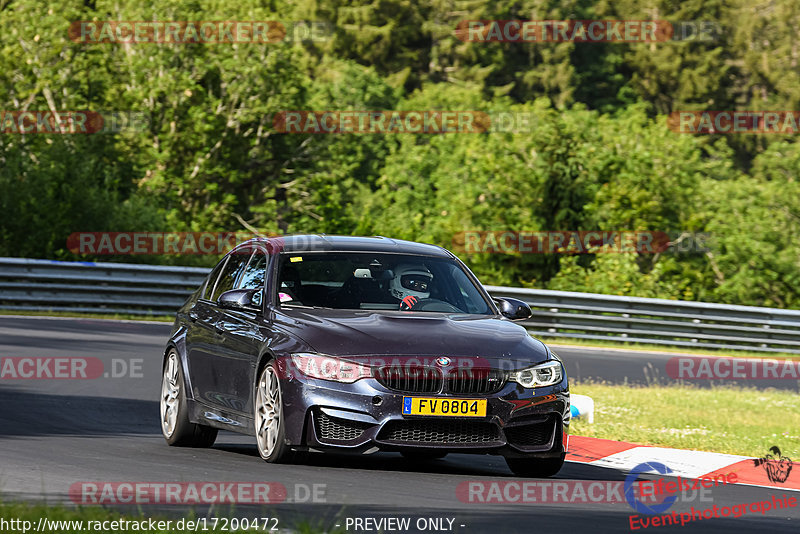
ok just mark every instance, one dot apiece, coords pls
pixel 600 156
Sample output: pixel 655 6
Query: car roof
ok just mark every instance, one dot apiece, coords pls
pixel 341 243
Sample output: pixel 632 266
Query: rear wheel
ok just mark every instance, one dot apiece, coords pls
pixel 535 467
pixel 269 421
pixel 175 424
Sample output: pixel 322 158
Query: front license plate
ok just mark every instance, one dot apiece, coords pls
pixel 446 407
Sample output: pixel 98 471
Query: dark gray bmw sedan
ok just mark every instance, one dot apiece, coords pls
pixel 361 344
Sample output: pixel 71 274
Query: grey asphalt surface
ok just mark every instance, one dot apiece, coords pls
pixel 54 433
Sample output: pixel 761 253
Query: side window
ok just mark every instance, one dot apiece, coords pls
pixel 212 279
pixel 253 276
pixel 231 272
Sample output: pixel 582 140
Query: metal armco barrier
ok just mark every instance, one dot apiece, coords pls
pixel 39 285
pixel 28 285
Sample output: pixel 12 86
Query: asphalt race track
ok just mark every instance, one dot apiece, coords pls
pixel 55 433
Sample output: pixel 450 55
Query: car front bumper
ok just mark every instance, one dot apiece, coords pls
pixel 365 417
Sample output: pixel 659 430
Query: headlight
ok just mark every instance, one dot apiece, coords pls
pixel 545 374
pixel 329 368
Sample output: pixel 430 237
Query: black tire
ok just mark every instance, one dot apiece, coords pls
pixel 535 467
pixel 423 456
pixel 268 388
pixel 180 432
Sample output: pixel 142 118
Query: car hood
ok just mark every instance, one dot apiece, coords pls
pixel 366 332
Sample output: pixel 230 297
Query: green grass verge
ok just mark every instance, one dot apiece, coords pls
pixel 601 344
pixel 22 512
pixel 727 419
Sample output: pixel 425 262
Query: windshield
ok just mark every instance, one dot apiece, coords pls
pixel 370 281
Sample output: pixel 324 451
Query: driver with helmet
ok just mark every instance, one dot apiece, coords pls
pixel 411 284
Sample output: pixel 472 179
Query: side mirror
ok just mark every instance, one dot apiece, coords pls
pixel 514 309
pixel 241 299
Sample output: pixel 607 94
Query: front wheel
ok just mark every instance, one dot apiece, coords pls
pixel 175 424
pixel 269 421
pixel 535 467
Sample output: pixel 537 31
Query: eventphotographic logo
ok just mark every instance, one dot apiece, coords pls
pixel 213 243
pixel 443 361
pixel 776 465
pixel 633 499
